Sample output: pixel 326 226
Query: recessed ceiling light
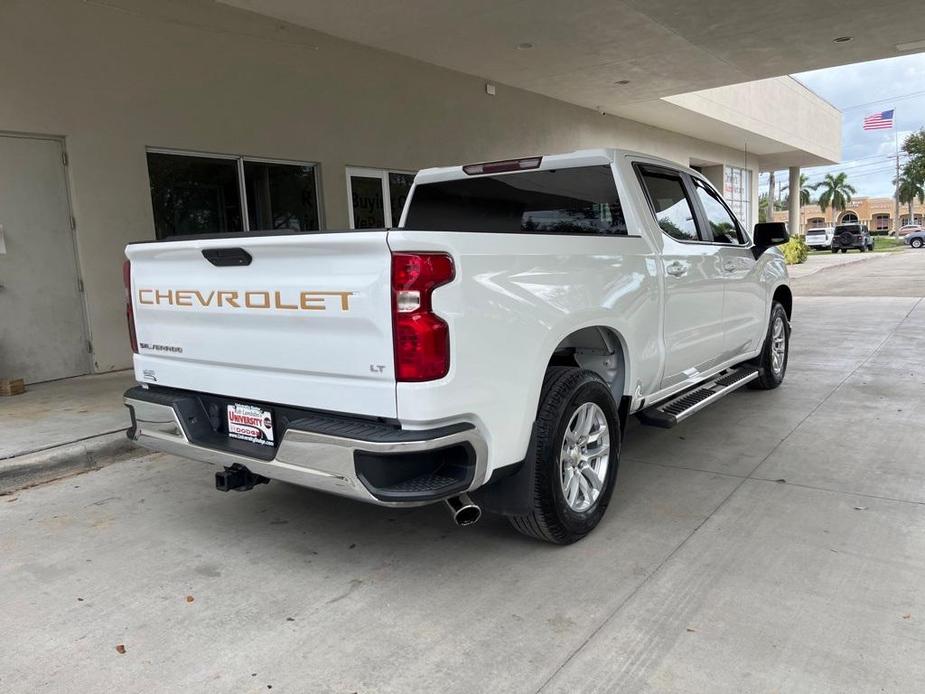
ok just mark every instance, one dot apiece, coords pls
pixel 622 82
pixel 842 39
pixel 526 45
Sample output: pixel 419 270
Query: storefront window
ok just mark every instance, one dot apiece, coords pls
pixel 377 196
pixel 195 194
pixel 737 191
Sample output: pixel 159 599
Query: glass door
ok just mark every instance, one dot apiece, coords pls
pixel 376 196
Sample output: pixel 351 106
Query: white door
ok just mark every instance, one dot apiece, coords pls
pixel 377 197
pixel 693 319
pixel 743 292
pixel 42 329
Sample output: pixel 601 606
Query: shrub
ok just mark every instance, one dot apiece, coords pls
pixel 795 250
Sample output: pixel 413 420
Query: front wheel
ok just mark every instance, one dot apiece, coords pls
pixel 916 243
pixel 772 362
pixel 577 451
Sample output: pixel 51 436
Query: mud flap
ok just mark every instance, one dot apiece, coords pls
pixel 511 493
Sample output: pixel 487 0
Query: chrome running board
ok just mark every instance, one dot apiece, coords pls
pixel 679 407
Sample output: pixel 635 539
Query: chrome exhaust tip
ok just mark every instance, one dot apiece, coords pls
pixel 463 510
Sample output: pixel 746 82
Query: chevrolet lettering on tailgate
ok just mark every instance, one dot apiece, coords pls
pixel 253 299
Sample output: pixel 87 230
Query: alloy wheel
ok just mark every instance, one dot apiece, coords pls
pixel 584 457
pixel 778 345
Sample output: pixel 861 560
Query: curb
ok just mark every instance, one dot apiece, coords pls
pixel 69 459
pixel 816 271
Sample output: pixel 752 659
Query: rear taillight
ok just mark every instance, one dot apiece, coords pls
pixel 422 339
pixel 129 311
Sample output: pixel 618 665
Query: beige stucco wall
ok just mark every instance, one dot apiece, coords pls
pixel 116 76
pixel 779 109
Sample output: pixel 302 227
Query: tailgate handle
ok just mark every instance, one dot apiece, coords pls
pixel 227 257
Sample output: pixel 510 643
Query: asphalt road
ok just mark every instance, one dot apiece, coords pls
pixel 773 543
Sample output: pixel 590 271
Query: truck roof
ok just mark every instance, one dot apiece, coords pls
pixel 582 157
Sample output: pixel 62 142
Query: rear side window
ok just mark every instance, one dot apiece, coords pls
pixel 673 211
pixel 580 200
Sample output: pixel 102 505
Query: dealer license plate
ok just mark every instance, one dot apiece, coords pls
pixel 250 423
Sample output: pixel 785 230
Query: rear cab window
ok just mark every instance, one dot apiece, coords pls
pixel 577 200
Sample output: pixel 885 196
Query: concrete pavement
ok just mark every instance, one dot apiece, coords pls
pixel 816 262
pixel 60 412
pixel 63 427
pixel 773 542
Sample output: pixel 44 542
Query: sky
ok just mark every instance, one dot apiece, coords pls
pixel 868 156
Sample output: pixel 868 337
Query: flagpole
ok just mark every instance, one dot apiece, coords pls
pixel 896 224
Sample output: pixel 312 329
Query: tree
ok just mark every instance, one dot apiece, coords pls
pixel 914 146
pixel 907 190
pixel 806 196
pixel 763 208
pixel 836 192
pixel 911 183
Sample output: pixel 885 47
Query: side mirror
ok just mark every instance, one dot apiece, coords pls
pixel 768 234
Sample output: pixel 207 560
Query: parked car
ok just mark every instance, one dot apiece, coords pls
pixel 819 237
pixel 848 236
pixel 486 353
pixel 916 239
pixel 907 229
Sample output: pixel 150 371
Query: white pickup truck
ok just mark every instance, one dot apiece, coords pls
pixel 486 353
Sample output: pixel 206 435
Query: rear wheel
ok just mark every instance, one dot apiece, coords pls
pixel 862 248
pixel 917 243
pixel 577 450
pixel 834 250
pixel 844 250
pixel 772 362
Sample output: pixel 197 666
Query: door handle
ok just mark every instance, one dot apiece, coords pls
pixel 676 269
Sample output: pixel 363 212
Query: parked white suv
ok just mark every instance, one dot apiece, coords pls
pixel 492 345
pixel 820 237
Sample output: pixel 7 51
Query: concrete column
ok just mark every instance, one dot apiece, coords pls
pixel 794 220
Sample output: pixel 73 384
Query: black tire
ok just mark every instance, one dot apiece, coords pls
pixel 565 389
pixel 834 250
pixel 844 250
pixel 916 243
pixel 768 377
pixel 862 248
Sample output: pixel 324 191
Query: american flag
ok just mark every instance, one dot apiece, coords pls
pixel 879 121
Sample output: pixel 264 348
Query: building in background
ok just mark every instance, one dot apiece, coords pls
pixel 876 213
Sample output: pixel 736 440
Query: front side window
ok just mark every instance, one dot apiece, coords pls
pixel 578 200
pixel 722 224
pixel 673 210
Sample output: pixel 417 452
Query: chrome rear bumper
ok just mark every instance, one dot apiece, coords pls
pixel 306 458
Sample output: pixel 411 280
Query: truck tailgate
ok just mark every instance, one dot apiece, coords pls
pixel 305 322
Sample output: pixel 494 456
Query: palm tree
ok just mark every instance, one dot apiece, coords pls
pixel 805 194
pixel 907 190
pixel 836 192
